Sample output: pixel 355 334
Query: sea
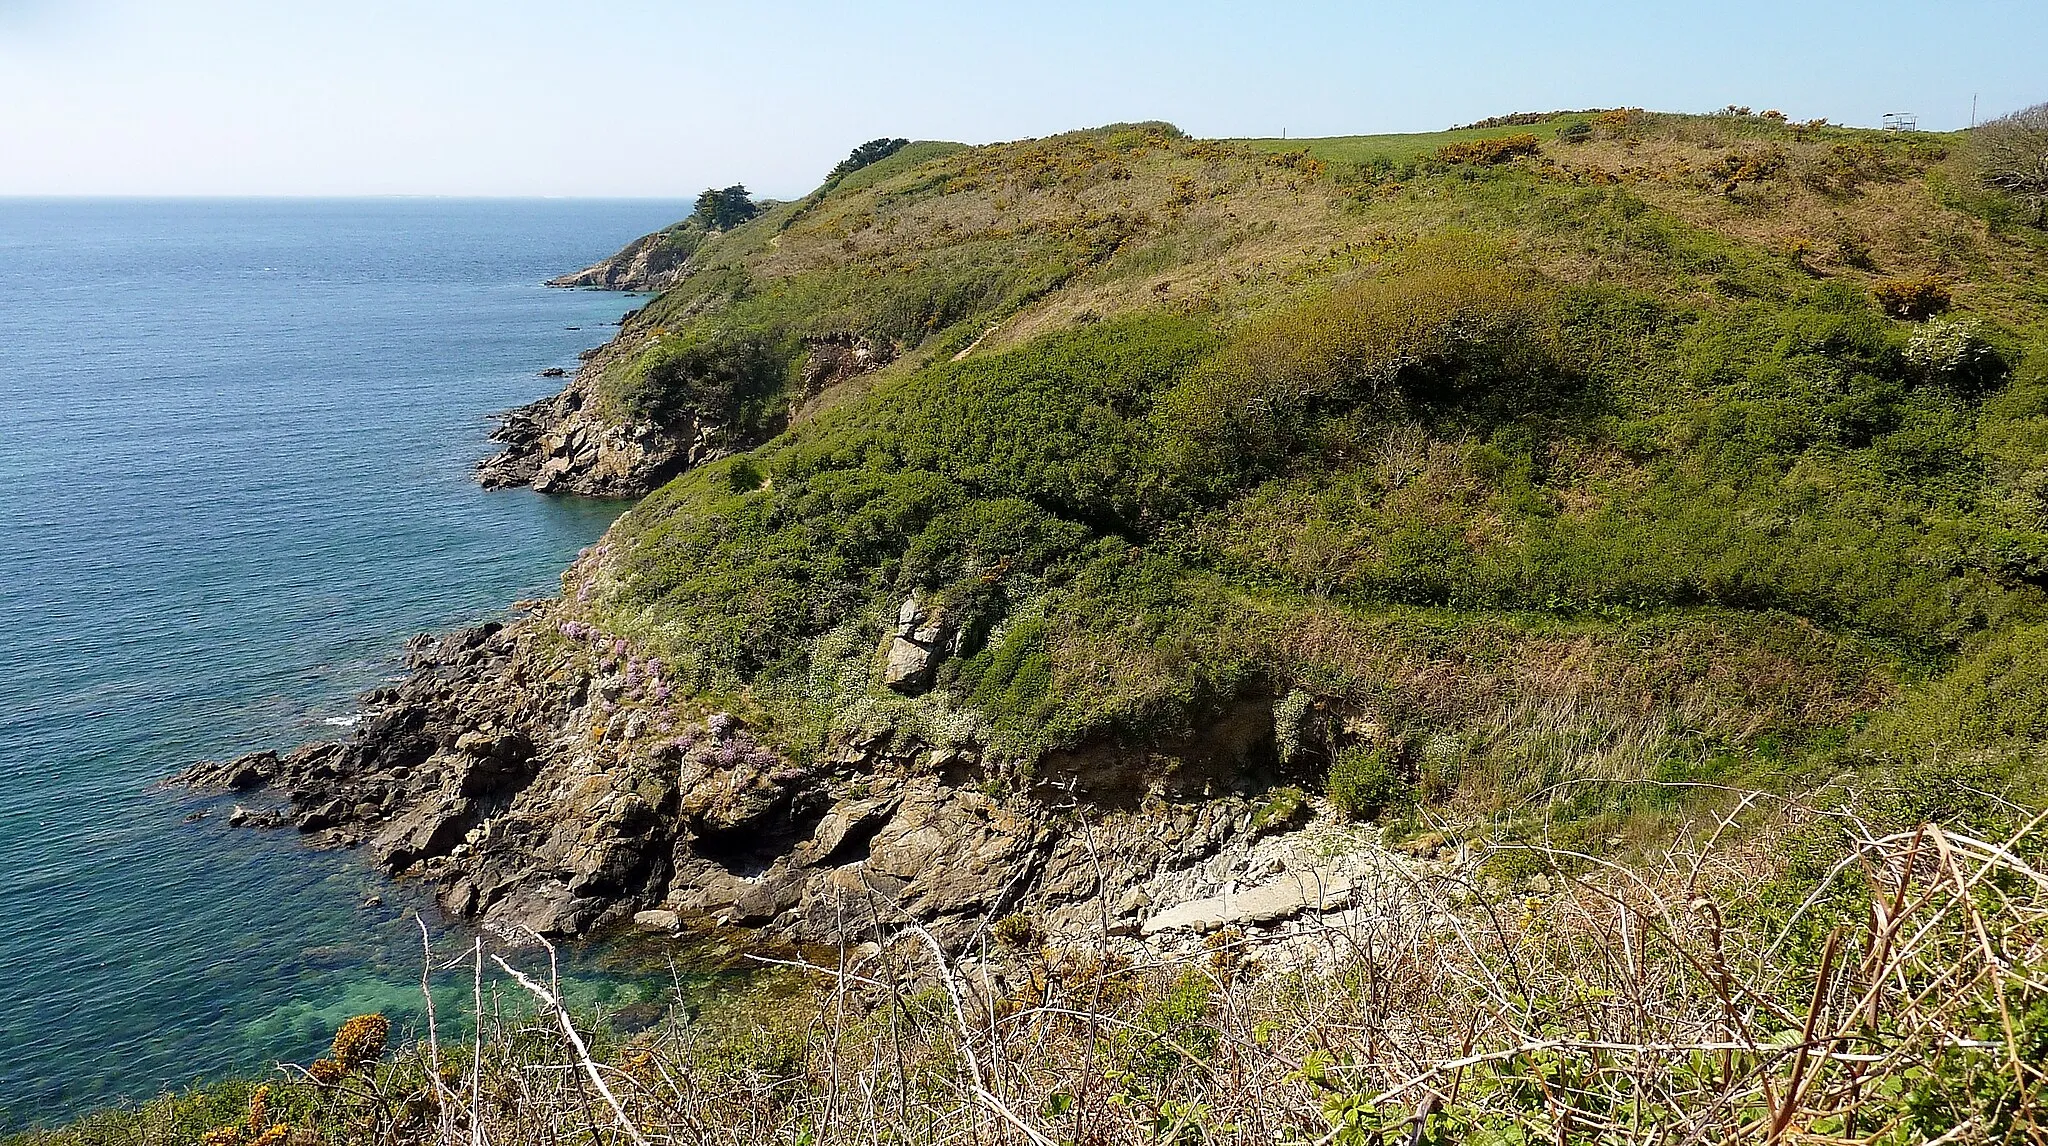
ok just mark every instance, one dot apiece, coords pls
pixel 236 443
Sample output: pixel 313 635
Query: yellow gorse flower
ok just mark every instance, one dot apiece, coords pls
pixel 360 1040
pixel 259 1109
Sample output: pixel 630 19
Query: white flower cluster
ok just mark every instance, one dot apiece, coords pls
pixel 1941 349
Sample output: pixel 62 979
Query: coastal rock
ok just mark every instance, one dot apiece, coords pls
pixel 540 787
pixel 564 444
pixel 830 359
pixel 650 263
pixel 560 445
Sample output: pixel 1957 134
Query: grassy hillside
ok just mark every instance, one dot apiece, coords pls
pixel 1604 447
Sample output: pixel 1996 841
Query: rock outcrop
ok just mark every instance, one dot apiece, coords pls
pixel 650 263
pixel 922 638
pixel 830 359
pixel 1284 898
pixel 561 445
pixel 538 777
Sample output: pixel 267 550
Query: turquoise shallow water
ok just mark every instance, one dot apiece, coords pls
pixel 235 444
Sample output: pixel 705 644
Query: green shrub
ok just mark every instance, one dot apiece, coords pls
pixel 736 379
pixel 1175 1032
pixel 1452 331
pixel 1996 697
pixel 1284 808
pixel 1367 782
pixel 1015 933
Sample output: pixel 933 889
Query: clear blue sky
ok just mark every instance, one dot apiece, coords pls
pixel 644 97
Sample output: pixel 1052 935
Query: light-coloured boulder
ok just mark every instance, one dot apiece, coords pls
pixel 1283 898
pixel 923 638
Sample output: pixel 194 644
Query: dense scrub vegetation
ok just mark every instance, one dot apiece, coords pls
pixel 1655 405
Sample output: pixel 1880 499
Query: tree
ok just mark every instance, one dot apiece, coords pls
pixel 2013 156
pixel 723 210
pixel 873 151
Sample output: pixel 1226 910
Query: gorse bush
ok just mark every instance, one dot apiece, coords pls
pixel 1496 150
pixel 1922 296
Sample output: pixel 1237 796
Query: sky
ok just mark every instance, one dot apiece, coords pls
pixel 660 99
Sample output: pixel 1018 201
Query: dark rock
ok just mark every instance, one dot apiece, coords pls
pixel 835 358
pixel 562 445
pixel 241 774
pixel 498 778
pixel 554 372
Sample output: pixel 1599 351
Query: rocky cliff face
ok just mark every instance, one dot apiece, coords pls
pixel 562 444
pixel 540 775
pixel 649 263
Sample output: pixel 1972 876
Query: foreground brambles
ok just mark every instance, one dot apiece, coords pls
pixel 1796 977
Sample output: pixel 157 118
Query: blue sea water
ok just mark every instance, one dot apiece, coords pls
pixel 235 450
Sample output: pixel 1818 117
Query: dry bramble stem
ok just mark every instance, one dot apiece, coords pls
pixel 1801 980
